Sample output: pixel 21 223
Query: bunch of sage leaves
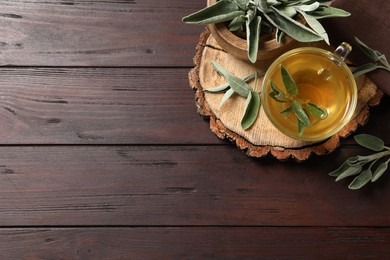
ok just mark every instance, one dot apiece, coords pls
pixel 279 16
pixel 301 108
pixel 363 166
pixel 241 87
pixel 357 165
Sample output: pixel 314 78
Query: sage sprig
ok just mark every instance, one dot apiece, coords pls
pixel 241 87
pixel 379 59
pixel 255 17
pixel 367 168
pixel 301 108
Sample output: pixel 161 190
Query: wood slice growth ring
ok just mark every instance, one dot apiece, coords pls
pixel 262 138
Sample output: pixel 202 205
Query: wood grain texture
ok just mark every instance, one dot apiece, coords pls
pixel 195 243
pixel 102 105
pixel 179 185
pixel 111 106
pixel 97 33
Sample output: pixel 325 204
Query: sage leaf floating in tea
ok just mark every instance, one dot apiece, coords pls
pixel 357 165
pixel 301 108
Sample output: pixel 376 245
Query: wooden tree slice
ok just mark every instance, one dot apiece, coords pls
pixel 262 138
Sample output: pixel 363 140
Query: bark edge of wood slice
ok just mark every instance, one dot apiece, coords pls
pixel 369 95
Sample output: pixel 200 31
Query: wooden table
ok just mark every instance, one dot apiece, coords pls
pixel 103 154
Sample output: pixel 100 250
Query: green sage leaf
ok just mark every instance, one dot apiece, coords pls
pixel 373 54
pixel 301 127
pixel 219 12
pixel 277 94
pixel 252 107
pixel 238 85
pixel 243 4
pixel 340 170
pixel 237 23
pixel 362 179
pixel 308 7
pixel 328 11
pixel 316 111
pixel 288 82
pixel 300 113
pixel 253 37
pixel 225 97
pixel 286 111
pixel 288 11
pixel 364 69
pixel 370 142
pixel 279 35
pixel 349 171
pixel 316 26
pixel 225 86
pixel 382 168
pixel 291 27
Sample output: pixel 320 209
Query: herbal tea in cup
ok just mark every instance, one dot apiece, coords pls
pixel 310 93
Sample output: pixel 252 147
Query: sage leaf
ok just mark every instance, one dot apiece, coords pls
pixel 374 55
pixel 237 23
pixel 253 37
pixel 370 142
pixel 288 11
pixel 316 26
pixel 340 170
pixel 308 7
pixel 349 171
pixel 316 111
pixel 382 168
pixel 225 86
pixel 277 94
pixel 286 111
pixel 362 179
pixel 219 12
pixel 301 127
pixel 364 69
pixel 243 4
pixel 328 11
pixel 279 35
pixel 225 97
pixel 238 85
pixel 300 113
pixel 252 107
pixel 288 82
pixel 291 27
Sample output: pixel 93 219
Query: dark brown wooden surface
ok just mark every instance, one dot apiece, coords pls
pixel 103 154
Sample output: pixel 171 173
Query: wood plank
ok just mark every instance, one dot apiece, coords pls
pixel 195 243
pixel 111 106
pixel 104 105
pixel 179 185
pixel 97 33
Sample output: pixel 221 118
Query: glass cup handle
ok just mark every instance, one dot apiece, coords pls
pixel 341 53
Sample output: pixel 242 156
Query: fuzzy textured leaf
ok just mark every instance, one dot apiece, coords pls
pixel 225 97
pixel 221 11
pixel 252 107
pixel 328 11
pixel 291 27
pixel 238 85
pixel 363 69
pixel 349 171
pixel 316 26
pixel 370 142
pixel 253 37
pixel 373 54
pixel 288 82
pixel 300 113
pixel 225 86
pixel 362 179
pixel 382 168
pixel 316 111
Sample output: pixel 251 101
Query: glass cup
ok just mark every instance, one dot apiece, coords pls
pixel 323 79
